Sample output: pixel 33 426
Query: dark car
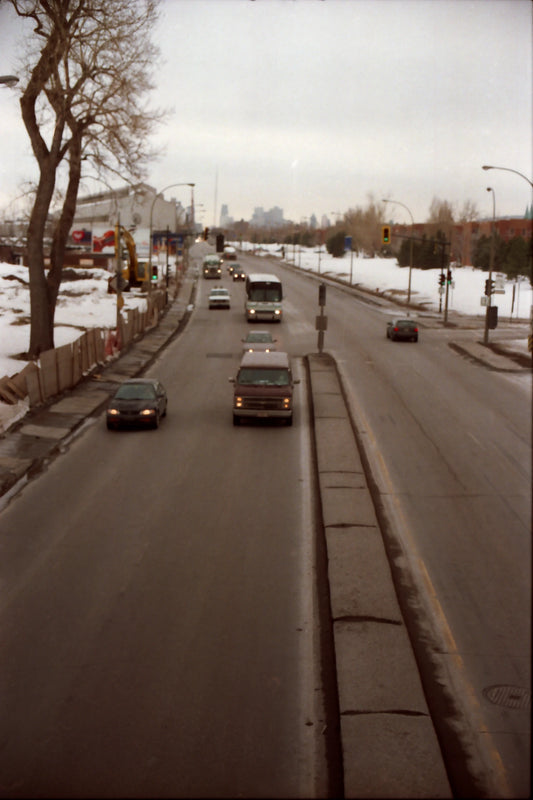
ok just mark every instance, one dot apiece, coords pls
pixel 238 273
pixel 137 401
pixel 402 329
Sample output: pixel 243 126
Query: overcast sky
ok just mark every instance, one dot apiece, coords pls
pixel 313 105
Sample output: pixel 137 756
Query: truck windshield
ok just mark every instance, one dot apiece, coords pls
pixel 250 376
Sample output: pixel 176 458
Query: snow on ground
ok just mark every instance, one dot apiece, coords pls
pixel 384 275
pixel 82 304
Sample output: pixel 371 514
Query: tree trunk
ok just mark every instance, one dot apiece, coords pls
pixel 41 329
pixel 62 228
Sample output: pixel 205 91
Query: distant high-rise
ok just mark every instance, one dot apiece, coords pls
pixel 225 219
pixel 267 219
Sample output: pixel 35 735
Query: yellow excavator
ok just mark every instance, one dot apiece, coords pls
pixel 135 272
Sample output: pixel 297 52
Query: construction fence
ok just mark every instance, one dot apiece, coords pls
pixel 63 367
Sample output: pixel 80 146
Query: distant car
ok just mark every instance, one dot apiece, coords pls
pixel 259 341
pixel 238 273
pixel 219 298
pixel 402 329
pixel 137 401
pixel 212 266
pixel 232 265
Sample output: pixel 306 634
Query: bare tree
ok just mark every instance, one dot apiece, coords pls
pixel 363 225
pixel 88 68
pixel 469 212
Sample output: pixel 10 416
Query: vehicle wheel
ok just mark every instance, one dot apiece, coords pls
pixel 415 339
pixel 156 422
pixel 110 426
pixel 288 421
pixel 236 420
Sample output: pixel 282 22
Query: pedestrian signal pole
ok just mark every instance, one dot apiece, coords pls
pixel 321 320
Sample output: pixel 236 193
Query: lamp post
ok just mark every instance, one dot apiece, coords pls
pixel 516 172
pixel 170 186
pixel 397 202
pixel 508 169
pixel 9 80
pixel 491 265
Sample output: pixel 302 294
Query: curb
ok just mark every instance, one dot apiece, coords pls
pixel 382 706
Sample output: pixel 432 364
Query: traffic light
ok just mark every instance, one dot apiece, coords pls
pixel 489 287
pixel 441 279
pixel 153 274
pixel 385 234
pixel 449 276
pixel 321 294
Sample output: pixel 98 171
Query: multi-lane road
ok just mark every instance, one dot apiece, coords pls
pixel 449 446
pixel 158 613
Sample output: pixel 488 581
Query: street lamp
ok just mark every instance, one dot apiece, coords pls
pixel 9 80
pixel 507 169
pixel 170 186
pixel 491 265
pixel 397 202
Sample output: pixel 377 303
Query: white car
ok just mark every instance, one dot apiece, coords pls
pixel 259 341
pixel 219 298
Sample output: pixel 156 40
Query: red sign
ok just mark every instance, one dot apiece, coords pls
pixel 107 240
pixel 78 236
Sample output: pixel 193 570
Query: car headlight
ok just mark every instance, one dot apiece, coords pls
pixel 147 412
pixel 286 402
pixel 277 311
pixel 251 310
pixel 238 402
pixel 113 412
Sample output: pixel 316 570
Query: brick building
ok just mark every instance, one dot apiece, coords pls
pixel 463 236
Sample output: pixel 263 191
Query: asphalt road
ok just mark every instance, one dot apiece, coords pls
pixel 449 446
pixel 158 617
pixel 158 605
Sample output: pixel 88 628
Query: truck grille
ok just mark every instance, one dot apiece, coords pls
pixel 263 403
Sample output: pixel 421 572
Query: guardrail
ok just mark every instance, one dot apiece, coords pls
pixel 63 367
